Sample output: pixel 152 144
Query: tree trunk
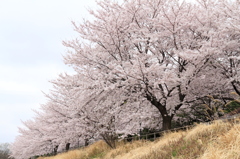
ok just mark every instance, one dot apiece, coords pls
pixel 67 146
pixel 55 150
pixel 167 122
pixel 86 142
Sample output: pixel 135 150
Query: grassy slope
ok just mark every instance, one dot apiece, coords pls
pixel 216 141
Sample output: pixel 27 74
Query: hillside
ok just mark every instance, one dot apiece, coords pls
pixel 219 140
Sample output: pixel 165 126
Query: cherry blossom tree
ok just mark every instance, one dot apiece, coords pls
pixel 228 50
pixel 69 117
pixel 97 115
pixel 31 141
pixel 152 50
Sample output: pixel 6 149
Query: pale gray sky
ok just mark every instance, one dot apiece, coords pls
pixel 31 34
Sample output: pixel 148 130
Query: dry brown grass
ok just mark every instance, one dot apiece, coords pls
pixel 226 146
pixel 220 140
pixel 95 150
pixel 125 148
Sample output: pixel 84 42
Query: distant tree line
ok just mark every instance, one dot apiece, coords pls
pixel 4 150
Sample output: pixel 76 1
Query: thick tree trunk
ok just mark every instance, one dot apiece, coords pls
pixel 167 123
pixel 167 119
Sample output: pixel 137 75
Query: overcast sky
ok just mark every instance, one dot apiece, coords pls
pixel 31 34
